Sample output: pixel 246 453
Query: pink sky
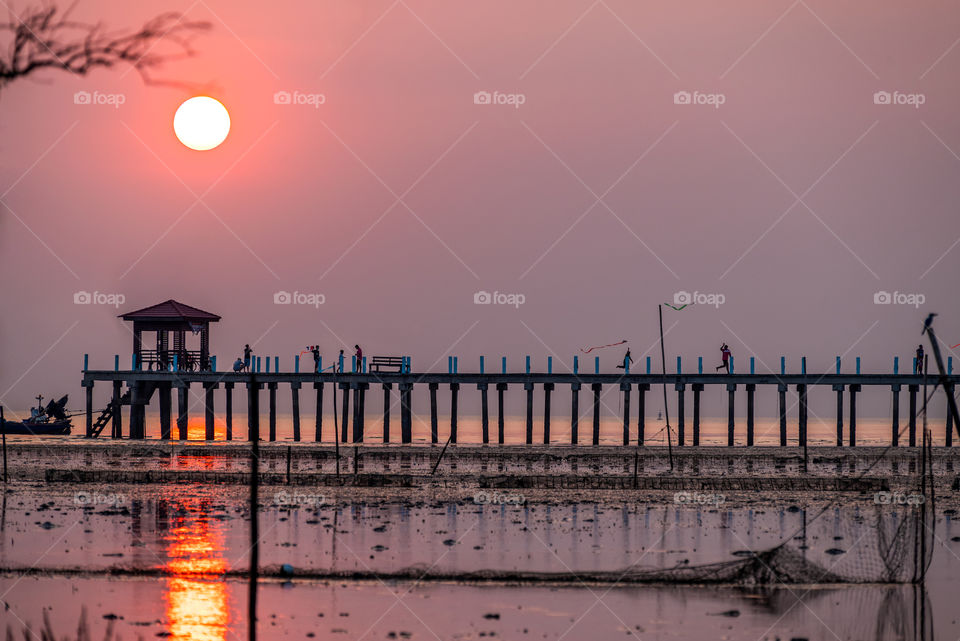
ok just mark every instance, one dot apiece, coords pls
pixel 493 197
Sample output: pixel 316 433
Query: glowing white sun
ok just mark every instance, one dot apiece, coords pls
pixel 201 123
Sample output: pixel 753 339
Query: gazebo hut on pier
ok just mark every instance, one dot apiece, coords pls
pixel 171 320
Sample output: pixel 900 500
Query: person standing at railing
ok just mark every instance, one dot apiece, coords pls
pixel 247 355
pixel 920 357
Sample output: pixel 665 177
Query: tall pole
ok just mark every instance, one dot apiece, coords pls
pixel 3 429
pixel 254 429
pixel 663 368
pixel 336 428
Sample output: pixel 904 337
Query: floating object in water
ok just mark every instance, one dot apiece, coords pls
pixel 49 420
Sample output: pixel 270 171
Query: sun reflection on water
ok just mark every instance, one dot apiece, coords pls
pixel 196 594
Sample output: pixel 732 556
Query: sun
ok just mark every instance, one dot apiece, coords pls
pixel 201 123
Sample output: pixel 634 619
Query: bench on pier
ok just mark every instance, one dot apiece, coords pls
pixel 386 361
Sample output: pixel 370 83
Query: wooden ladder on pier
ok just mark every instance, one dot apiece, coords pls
pixel 106 416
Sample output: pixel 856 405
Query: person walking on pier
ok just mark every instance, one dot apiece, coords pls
pixel 315 350
pixel 247 354
pixel 920 358
pixel 627 361
pixel 725 353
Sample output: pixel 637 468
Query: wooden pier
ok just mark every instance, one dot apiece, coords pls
pixel 143 386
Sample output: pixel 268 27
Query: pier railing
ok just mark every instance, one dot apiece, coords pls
pixel 143 385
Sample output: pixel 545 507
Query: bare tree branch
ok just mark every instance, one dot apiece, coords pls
pixel 47 38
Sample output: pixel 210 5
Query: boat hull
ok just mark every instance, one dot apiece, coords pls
pixel 35 429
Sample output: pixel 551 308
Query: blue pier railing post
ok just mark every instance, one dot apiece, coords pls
pixel 341 363
pixel 258 364
pixel 679 366
pixel 753 368
pixel 783 365
pixel 176 362
pixel 268 364
pixel 838 364
pixel 528 364
pixel 914 364
pixel 731 364
pixel 949 365
pixel 481 364
pixel 503 364
pixel 626 366
pixel 648 364
pixel 296 364
pixel 596 365
pixel 353 363
pixel 319 366
pixel 276 364
pixel 803 364
pixel 133 362
pixel 363 365
pixel 116 362
pixel 699 364
pixel 549 364
pixel 213 363
pixel 456 364
pixel 86 362
pixel 576 364
pixel 896 364
pixel 858 365
pixel 449 364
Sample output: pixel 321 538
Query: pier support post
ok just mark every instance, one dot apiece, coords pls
pixel 318 427
pixel 484 412
pixel 574 413
pixel 839 390
pixel 166 409
pixel 681 411
pixel 731 408
pixel 117 426
pixel 345 411
pixel 406 413
pixel 642 388
pixel 295 400
pixel 357 414
pixel 253 412
pixel 208 408
pixel 528 387
pixel 501 388
pixel 948 439
pixel 88 385
pixel 913 414
pixel 751 393
pixel 625 388
pixel 697 388
pixel 596 387
pixel 782 394
pixel 895 436
pixel 854 388
pixel 434 430
pixel 547 391
pixel 386 411
pixel 802 390
pixel 229 409
pixel 454 410
pixel 272 400
pixel 182 390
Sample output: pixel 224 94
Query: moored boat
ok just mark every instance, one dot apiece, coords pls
pixel 49 420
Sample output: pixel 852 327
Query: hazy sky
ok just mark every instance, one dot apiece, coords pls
pixel 398 198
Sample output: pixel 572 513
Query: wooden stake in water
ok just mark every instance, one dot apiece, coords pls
pixel 254 428
pixel 663 368
pixel 3 429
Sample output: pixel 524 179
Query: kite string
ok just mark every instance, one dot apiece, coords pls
pixel 587 351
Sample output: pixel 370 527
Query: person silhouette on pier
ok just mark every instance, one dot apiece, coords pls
pixel 315 350
pixel 238 365
pixel 627 361
pixel 920 358
pixel 247 354
pixel 359 356
pixel 340 361
pixel 725 353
